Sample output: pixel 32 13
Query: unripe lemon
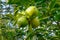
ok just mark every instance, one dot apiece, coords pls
pixel 35 22
pixel 22 21
pixel 18 15
pixel 23 12
pixel 31 11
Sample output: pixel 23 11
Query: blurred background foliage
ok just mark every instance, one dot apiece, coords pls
pixel 49 16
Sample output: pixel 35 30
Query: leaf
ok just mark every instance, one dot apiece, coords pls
pixel 52 4
pixel 57 17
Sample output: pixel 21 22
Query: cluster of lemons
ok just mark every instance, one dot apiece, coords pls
pixel 30 15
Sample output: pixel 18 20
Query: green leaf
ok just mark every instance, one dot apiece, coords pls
pixel 57 17
pixel 52 4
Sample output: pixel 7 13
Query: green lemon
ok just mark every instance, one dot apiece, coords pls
pixel 35 22
pixel 18 15
pixel 31 11
pixel 22 21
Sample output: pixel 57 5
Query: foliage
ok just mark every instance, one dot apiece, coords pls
pixel 49 18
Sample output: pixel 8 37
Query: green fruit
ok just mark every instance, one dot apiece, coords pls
pixel 35 22
pixel 23 12
pixel 18 15
pixel 31 11
pixel 22 21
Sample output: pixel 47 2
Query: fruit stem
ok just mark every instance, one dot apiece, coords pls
pixel 30 30
pixel 30 27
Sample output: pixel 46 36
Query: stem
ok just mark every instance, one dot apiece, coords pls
pixel 30 31
pixel 30 28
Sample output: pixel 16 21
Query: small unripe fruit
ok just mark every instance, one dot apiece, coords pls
pixel 23 12
pixel 22 21
pixel 17 16
pixel 20 14
pixel 35 22
pixel 31 11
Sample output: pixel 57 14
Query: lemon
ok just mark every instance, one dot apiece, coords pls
pixel 35 22
pixel 31 11
pixel 22 21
